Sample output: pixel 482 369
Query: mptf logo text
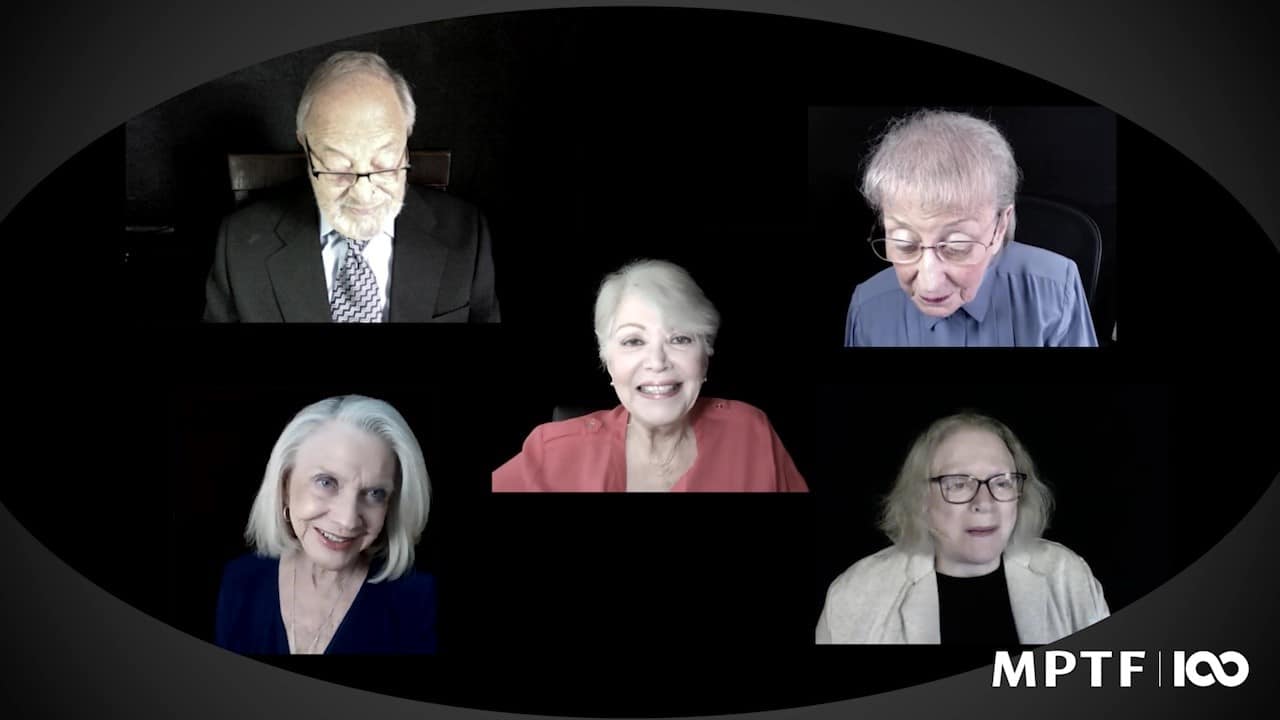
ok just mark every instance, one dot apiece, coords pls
pixel 1184 667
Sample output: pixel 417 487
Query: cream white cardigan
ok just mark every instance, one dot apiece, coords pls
pixel 892 597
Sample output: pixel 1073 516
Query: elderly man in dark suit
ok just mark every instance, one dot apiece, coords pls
pixel 363 246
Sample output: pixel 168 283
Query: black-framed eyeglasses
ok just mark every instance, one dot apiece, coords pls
pixel 901 251
pixel 381 178
pixel 960 489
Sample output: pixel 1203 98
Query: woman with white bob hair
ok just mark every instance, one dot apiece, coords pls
pixel 343 502
pixel 942 185
pixel 656 331
pixel 967 564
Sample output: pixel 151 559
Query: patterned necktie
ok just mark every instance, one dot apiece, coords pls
pixel 355 290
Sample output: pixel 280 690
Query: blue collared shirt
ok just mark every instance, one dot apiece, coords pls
pixel 1029 297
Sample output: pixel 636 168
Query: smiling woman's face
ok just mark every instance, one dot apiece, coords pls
pixel 969 538
pixel 339 490
pixel 656 369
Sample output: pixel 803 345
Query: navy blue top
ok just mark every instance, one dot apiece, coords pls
pixel 1029 297
pixel 387 618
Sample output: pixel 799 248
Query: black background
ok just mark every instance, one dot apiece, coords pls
pixel 210 397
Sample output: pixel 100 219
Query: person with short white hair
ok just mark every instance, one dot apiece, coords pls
pixel 363 245
pixel 968 565
pixel 656 332
pixel 943 186
pixel 342 504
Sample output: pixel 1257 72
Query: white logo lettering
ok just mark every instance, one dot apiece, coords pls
pixel 1201 668
pixel 1095 658
pixel 1004 668
pixel 1052 669
pixel 1185 668
pixel 1128 667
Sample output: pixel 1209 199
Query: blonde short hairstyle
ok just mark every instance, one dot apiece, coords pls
pixel 270 534
pixel 903 509
pixel 666 285
pixel 942 161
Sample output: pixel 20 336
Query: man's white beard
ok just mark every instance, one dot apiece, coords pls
pixel 363 227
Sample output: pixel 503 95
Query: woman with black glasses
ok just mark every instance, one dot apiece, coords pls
pixel 967 564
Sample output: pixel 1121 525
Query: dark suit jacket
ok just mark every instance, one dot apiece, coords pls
pixel 267 266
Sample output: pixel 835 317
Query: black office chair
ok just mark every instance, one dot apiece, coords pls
pixel 1066 230
pixel 253 173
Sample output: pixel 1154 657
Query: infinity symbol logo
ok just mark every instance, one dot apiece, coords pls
pixel 1189 668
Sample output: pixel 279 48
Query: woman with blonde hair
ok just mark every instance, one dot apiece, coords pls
pixel 967 564
pixel 342 504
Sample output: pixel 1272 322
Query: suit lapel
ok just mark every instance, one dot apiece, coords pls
pixel 417 263
pixel 296 269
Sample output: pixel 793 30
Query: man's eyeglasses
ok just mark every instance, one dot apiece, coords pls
pixel 381 178
pixel 960 489
pixel 906 251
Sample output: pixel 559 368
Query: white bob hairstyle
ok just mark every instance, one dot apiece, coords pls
pixel 942 160
pixel 270 534
pixel 903 510
pixel 350 62
pixel 669 287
